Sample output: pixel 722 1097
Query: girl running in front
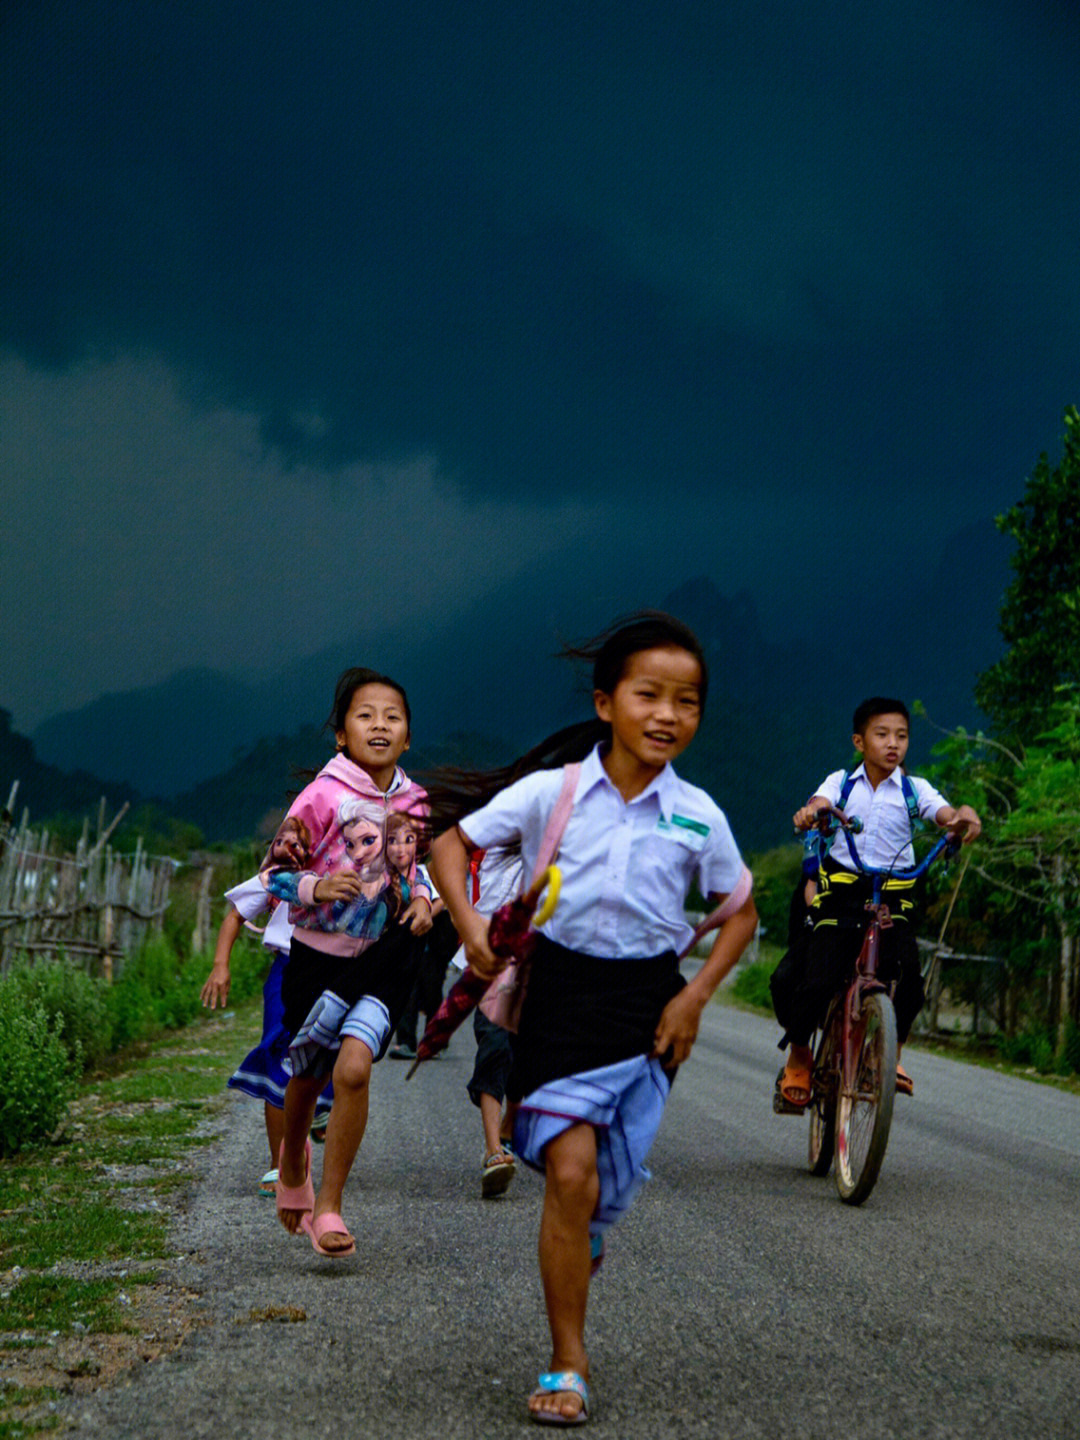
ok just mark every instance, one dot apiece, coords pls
pixel 607 1017
pixel 356 942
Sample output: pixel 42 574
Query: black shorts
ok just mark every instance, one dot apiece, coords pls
pixel 494 1056
pixel 386 970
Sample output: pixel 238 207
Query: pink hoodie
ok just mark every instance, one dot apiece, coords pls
pixel 345 815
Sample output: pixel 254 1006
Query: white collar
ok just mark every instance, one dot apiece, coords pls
pixel 895 777
pixel 664 786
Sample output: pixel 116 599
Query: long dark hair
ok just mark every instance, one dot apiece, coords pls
pixel 454 793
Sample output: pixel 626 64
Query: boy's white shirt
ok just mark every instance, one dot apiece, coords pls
pixel 626 867
pixel 885 841
pixel 250 898
pixel 500 877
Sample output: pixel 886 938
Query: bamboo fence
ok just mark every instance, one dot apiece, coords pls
pixel 96 905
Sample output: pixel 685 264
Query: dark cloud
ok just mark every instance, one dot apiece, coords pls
pixel 736 273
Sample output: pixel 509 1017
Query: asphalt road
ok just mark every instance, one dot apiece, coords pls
pixel 739 1297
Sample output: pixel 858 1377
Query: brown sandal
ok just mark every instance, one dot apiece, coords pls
pixel 904 1083
pixel 796 1082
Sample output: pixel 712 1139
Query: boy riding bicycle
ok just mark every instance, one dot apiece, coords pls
pixel 822 951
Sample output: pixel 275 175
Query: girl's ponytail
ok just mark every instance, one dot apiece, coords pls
pixel 453 793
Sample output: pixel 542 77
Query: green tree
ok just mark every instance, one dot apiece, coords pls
pixel 1029 798
pixel 1040 615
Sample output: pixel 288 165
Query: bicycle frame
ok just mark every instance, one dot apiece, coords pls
pixel 865 979
pixel 854 1070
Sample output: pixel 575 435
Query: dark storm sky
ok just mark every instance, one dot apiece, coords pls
pixel 327 319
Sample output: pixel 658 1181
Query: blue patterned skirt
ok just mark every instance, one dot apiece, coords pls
pixel 261 1074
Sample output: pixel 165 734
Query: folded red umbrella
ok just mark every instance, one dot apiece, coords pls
pixel 464 995
pixel 511 936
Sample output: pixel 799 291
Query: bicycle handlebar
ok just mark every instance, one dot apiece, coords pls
pixel 853 826
pixel 839 821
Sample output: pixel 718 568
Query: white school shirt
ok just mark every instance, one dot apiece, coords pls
pixel 500 879
pixel 627 867
pixel 250 898
pixel 885 841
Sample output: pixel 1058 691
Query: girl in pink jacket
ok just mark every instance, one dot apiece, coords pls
pixel 355 946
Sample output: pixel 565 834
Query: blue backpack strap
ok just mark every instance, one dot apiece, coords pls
pixel 911 800
pixel 846 787
pixel 816 846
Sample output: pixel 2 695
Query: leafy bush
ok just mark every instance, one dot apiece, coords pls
pixel 150 992
pixel 74 1001
pixel 1036 1048
pixel 131 1008
pixel 39 1073
pixel 157 990
pixel 776 873
pixel 751 984
pixel 1070 1056
pixel 55 1020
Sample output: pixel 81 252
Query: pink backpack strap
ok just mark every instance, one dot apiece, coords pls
pixel 553 831
pixel 724 911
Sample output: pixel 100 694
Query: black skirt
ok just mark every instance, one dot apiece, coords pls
pixel 581 1012
pixel 386 970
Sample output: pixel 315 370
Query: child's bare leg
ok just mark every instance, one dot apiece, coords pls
pixel 300 1095
pixel 344 1131
pixel 570 1196
pixel 491 1119
pixel 275 1131
pixel 506 1129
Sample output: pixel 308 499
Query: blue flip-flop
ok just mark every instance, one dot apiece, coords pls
pixel 561 1382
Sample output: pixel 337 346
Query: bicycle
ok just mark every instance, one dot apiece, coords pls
pixel 853 1081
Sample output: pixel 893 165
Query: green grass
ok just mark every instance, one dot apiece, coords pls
pixel 23 1429
pixel 48 1303
pixel 77 1201
pixel 159 1079
pixel 153 1124
pixel 87 1230
pixel 28 1394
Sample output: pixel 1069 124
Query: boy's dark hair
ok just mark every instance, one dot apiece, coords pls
pixel 876 705
pixel 349 682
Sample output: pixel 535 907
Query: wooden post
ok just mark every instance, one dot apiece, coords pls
pixel 935 990
pixel 200 936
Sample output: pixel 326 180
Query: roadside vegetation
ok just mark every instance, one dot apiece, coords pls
pixel 87 1287
pixel 59 1022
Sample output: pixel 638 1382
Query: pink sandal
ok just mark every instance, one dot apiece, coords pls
pixel 328 1223
pixel 295 1197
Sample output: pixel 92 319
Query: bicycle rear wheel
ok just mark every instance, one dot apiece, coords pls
pixel 822 1134
pixel 864 1110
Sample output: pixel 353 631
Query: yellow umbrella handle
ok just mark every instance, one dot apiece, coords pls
pixel 552 880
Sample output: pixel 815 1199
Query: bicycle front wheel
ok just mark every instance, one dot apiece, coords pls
pixel 864 1109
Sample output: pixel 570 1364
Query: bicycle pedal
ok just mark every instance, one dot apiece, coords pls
pixel 785 1107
